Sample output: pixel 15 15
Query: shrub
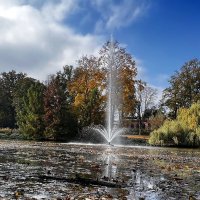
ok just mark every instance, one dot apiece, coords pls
pixel 184 131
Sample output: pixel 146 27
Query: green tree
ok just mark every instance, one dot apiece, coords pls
pixel 8 86
pixel 184 87
pixel 59 120
pixel 30 116
pixel 20 93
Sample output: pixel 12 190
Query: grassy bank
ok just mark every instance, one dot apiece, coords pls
pixel 7 133
pixel 134 139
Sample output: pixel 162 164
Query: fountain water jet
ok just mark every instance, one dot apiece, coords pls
pixel 112 129
pixel 109 136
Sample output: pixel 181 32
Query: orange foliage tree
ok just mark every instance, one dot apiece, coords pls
pixel 125 77
pixel 88 85
pixel 87 88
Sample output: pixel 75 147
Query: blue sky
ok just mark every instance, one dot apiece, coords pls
pixel 39 37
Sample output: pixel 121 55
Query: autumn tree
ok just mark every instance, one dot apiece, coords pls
pixel 87 88
pixel 59 120
pixel 184 87
pixel 156 115
pixel 125 76
pixel 157 120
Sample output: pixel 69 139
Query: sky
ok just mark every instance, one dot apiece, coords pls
pixel 39 37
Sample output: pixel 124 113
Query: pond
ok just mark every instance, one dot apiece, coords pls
pixel 44 170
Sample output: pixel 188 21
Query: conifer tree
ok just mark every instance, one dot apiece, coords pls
pixel 30 116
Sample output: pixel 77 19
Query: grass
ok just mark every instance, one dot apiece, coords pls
pixel 142 137
pixel 5 130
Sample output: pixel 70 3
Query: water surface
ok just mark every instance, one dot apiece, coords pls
pixel 143 172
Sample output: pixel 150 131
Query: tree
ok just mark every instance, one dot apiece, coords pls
pixel 22 86
pixel 30 116
pixel 139 85
pixel 157 120
pixel 8 86
pixel 146 97
pixel 184 87
pixel 156 116
pixel 59 120
pixel 87 88
pixel 124 77
pixel 149 95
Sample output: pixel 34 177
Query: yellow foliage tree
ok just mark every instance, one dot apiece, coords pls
pixel 87 88
pixel 188 119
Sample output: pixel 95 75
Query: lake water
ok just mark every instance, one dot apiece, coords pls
pixel 142 172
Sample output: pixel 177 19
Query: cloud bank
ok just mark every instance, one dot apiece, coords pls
pixel 34 40
pixel 37 39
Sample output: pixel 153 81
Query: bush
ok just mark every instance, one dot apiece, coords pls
pixel 184 131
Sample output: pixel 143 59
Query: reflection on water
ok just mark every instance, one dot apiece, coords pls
pixel 143 173
pixel 110 168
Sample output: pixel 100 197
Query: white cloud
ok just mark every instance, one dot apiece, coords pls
pixel 114 16
pixel 124 14
pixel 59 11
pixel 34 40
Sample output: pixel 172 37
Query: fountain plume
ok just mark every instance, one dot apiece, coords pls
pixel 112 123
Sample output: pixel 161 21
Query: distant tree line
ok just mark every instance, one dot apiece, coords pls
pixel 75 97
pixel 70 99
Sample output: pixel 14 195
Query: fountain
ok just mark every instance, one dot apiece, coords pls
pixel 108 135
pixel 112 123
